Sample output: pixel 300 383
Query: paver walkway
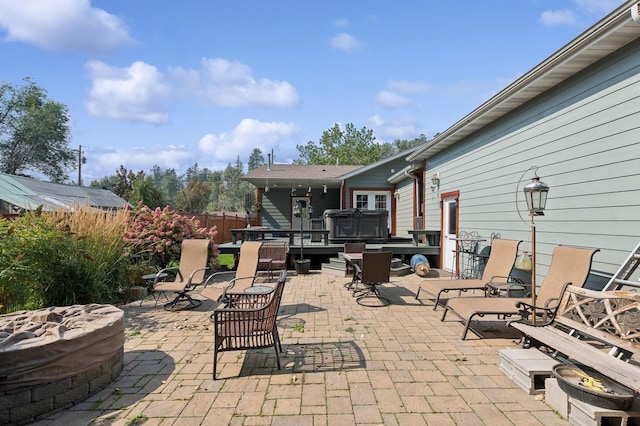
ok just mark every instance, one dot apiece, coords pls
pixel 344 364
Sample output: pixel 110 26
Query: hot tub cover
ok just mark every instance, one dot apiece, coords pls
pixel 51 344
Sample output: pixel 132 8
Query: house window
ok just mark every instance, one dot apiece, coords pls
pixel 372 200
pixel 362 201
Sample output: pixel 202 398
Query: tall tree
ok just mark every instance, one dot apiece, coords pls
pixel 167 182
pixel 121 183
pixel 34 133
pixel 196 173
pixel 126 182
pixel 146 191
pixel 390 149
pixel 336 146
pixel 194 198
pixel 107 182
pixel 256 159
pixel 216 184
pixel 232 196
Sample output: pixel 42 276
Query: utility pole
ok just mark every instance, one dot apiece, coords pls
pixel 79 165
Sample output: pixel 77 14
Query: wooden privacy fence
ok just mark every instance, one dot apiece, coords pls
pixel 225 223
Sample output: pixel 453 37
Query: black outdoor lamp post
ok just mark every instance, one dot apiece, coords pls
pixel 297 212
pixel 535 193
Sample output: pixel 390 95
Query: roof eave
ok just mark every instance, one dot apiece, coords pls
pixel 609 34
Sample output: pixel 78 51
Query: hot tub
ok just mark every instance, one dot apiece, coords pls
pixel 357 225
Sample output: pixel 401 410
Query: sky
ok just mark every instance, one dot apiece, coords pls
pixel 173 84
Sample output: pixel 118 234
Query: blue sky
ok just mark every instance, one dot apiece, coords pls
pixel 169 83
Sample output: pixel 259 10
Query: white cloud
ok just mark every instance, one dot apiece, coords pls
pixel 409 87
pixel 63 25
pixel 341 23
pixel 231 84
pixel 389 130
pixel 597 6
pixel 346 42
pixel 583 10
pixel 135 93
pixel 246 136
pixel 392 100
pixel 558 17
pixel 398 93
pixel 104 162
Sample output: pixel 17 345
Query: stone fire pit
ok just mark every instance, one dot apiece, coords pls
pixel 54 357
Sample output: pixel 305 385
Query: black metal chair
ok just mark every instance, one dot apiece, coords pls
pixel 374 270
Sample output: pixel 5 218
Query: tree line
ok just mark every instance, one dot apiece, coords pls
pixel 35 136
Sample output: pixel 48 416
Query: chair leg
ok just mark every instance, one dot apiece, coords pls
pixel 372 292
pixel 193 303
pixel 418 293
pixel 436 302
pixel 275 347
pixel 277 338
pixel 444 314
pixel 466 328
pixel 215 362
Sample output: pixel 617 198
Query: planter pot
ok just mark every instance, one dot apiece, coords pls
pixel 303 266
pixel 135 292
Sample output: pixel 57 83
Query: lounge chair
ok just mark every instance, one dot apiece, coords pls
pixel 569 265
pixel 247 326
pixel 245 274
pixel 194 258
pixel 374 270
pixel 498 269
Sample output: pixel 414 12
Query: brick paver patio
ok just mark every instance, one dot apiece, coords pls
pixel 344 364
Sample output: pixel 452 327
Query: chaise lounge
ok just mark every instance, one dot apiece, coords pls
pixel 498 269
pixel 569 265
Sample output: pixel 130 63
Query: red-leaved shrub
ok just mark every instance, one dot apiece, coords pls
pixel 157 235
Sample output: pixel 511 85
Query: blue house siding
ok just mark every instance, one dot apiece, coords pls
pixel 274 211
pixel 404 207
pixel 276 204
pixel 585 136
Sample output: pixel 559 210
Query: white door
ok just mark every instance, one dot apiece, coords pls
pixel 449 232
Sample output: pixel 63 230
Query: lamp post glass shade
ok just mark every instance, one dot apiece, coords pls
pixel 535 192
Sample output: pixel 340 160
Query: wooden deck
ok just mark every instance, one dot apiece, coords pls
pixel 319 252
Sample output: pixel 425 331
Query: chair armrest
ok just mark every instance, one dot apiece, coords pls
pixel 233 281
pixel 357 271
pixel 498 284
pixel 195 272
pixel 504 280
pixel 546 313
pixel 164 271
pixel 216 274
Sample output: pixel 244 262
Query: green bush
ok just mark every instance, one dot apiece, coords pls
pixel 61 259
pixel 87 256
